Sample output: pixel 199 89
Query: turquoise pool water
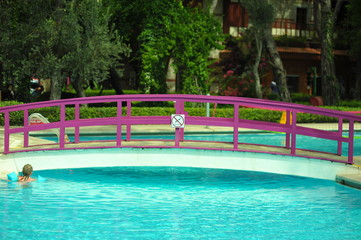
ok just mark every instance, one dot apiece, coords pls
pixel 177 203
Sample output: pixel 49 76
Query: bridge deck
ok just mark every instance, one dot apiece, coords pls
pixel 17 140
pixel 200 145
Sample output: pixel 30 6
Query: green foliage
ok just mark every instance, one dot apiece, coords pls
pixel 290 41
pixel 9 103
pixel 260 115
pixel 57 39
pixel 236 70
pixel 183 34
pixel 105 92
pixel 161 30
pixel 352 104
pixel 261 12
pixel 45 96
pixel 353 33
pixel 197 35
pixel 300 97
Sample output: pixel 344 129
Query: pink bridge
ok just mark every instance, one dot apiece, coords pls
pixel 70 112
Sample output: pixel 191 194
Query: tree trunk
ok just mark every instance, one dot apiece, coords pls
pixel 325 22
pixel 277 65
pixel 56 87
pixel 1 77
pixel 356 93
pixel 330 85
pixel 22 92
pixel 257 80
pixel 115 80
pixel 78 87
pixel 212 6
pixel 56 80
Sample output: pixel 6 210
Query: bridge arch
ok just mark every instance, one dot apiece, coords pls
pixel 155 157
pixel 239 155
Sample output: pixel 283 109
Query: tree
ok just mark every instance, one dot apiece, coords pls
pixel 15 26
pixel 325 19
pixel 186 35
pixel 82 46
pixel 279 72
pixel 197 34
pixel 57 39
pixel 161 30
pixel 238 68
pixel 129 19
pixel 212 4
pixel 354 39
pixel 262 15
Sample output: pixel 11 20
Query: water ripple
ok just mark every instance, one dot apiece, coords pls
pixel 177 203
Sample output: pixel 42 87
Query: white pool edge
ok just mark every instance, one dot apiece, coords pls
pixel 271 163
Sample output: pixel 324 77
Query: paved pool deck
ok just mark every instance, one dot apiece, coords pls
pixel 352 180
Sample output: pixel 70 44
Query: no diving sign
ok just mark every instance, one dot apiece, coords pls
pixel 177 121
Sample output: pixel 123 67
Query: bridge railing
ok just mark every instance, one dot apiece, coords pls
pixel 290 129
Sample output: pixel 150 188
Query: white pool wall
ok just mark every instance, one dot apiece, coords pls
pixel 271 163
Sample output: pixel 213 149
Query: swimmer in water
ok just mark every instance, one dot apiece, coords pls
pixel 27 171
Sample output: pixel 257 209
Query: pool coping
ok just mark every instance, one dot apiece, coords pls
pixel 350 180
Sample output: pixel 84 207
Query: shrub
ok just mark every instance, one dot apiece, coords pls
pixel 352 103
pixel 300 97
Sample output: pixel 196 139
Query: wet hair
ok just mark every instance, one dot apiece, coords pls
pixel 27 171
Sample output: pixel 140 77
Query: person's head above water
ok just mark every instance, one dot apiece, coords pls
pixel 27 171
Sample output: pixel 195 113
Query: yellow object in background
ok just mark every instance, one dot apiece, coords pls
pixel 283 119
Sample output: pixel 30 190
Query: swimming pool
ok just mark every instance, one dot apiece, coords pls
pixel 177 203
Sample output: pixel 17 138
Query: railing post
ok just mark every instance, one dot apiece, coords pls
pixel 119 123
pixel 181 111
pixel 235 125
pixel 293 132
pixel 26 124
pixel 6 132
pixel 207 107
pixel 62 127
pixel 288 124
pixel 179 132
pixel 129 126
pixel 176 138
pixel 77 118
pixel 351 141
pixel 339 142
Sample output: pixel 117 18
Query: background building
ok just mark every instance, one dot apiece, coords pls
pixel 297 44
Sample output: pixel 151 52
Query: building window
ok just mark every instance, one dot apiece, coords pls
pixel 237 15
pixel 301 19
pixel 292 83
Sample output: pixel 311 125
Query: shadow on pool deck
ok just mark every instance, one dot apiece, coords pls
pixel 16 141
